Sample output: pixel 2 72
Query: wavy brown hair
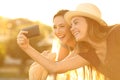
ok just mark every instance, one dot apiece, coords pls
pixel 96 32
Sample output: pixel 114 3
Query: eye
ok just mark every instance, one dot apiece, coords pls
pixel 76 22
pixel 54 27
pixel 70 26
pixel 62 26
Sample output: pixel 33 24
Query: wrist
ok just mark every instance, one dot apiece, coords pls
pixel 26 48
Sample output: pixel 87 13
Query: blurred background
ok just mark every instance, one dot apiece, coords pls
pixel 14 63
pixel 18 14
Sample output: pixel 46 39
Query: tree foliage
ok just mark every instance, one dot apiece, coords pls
pixel 10 28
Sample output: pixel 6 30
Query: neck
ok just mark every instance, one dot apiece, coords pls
pixel 88 40
pixel 71 43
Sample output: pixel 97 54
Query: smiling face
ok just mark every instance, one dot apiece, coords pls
pixel 61 29
pixel 79 28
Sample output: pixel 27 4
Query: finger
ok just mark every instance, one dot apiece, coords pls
pixel 21 33
pixel 52 56
pixel 21 39
pixel 44 53
pixel 20 42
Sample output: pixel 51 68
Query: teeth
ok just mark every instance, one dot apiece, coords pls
pixel 76 33
pixel 61 36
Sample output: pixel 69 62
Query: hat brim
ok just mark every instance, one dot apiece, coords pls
pixel 69 15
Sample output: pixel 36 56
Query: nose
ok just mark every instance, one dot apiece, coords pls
pixel 72 28
pixel 58 31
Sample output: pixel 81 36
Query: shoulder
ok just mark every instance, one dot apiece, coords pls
pixel 113 50
pixel 114 34
pixel 113 44
pixel 115 28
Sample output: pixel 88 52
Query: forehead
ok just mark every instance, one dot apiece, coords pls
pixel 59 20
pixel 78 18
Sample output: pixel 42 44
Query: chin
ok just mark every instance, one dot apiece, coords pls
pixel 77 39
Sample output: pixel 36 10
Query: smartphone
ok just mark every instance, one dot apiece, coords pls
pixel 32 31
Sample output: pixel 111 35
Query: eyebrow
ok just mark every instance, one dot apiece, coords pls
pixel 61 24
pixel 75 20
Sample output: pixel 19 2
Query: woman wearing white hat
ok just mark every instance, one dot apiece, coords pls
pixel 101 43
pixel 94 42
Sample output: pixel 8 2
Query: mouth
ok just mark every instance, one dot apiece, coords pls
pixel 76 34
pixel 61 37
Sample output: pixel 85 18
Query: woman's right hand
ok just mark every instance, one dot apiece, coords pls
pixel 22 40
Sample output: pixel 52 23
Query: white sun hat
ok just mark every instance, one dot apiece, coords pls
pixel 86 10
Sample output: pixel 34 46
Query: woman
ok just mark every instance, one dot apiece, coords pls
pixel 62 32
pixel 96 38
pixel 91 36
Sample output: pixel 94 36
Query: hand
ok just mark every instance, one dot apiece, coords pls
pixel 22 40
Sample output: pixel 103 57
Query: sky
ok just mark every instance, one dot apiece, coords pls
pixel 44 10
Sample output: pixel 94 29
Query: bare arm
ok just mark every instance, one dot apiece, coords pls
pixel 52 67
pixel 56 67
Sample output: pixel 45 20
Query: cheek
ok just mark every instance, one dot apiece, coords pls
pixel 70 34
pixel 55 33
pixel 79 27
pixel 83 33
pixel 85 30
pixel 64 30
